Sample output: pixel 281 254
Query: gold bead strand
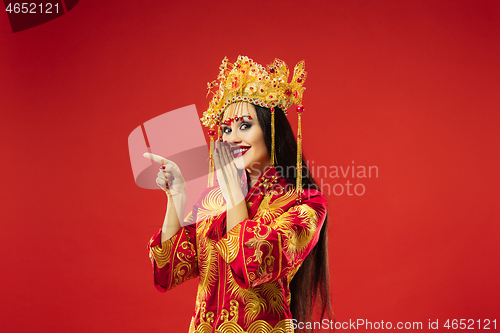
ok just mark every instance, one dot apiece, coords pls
pixel 300 110
pixel 273 150
pixel 211 171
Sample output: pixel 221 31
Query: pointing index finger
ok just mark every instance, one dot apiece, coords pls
pixel 155 158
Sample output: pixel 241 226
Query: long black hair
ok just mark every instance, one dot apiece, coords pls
pixel 310 285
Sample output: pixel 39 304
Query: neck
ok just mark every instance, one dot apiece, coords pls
pixel 255 174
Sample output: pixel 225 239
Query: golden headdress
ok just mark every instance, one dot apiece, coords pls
pixel 248 81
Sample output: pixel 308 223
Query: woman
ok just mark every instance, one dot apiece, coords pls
pixel 257 239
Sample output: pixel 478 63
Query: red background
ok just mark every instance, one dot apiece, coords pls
pixel 409 86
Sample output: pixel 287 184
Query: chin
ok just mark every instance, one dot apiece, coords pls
pixel 239 163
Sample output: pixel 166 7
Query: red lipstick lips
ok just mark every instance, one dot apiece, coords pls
pixel 239 150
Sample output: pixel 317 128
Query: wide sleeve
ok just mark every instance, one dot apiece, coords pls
pixel 175 260
pixel 263 252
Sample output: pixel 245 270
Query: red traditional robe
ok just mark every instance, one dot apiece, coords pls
pixel 244 275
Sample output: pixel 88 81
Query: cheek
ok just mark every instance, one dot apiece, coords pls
pixel 261 151
pixel 257 138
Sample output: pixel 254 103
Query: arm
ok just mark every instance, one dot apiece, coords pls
pixel 171 181
pixel 236 215
pixel 172 249
pixel 262 252
pixel 171 223
pixel 174 260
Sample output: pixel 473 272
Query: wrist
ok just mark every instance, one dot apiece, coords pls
pixel 178 193
pixel 236 215
pixel 240 210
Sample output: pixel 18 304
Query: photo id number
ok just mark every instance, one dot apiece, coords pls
pixel 32 8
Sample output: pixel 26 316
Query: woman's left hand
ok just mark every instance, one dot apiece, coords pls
pixel 227 175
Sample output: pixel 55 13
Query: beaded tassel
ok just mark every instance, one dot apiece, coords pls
pixel 300 109
pixel 211 171
pixel 273 152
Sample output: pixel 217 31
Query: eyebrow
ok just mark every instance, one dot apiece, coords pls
pixel 240 118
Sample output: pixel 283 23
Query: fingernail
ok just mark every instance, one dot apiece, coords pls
pixel 216 150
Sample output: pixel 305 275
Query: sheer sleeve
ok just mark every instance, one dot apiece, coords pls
pixel 175 260
pixel 262 252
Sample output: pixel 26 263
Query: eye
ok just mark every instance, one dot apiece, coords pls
pixel 226 130
pixel 244 125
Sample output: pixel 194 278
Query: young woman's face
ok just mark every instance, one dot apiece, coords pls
pixel 245 137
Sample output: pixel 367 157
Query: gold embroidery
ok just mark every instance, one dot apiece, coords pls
pixel 161 252
pixel 252 297
pixel 228 248
pixel 234 305
pixel 298 243
pixel 189 218
pixel 211 205
pixel 266 264
pixel 254 303
pixel 268 182
pixel 257 188
pixel 230 325
pixel 289 295
pixel 274 296
pixel 186 267
pixel 259 326
pixel 207 260
pixel 270 210
pixel 206 319
pixel 192 325
pixel 297 237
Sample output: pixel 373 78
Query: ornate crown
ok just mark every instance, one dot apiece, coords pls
pixel 250 82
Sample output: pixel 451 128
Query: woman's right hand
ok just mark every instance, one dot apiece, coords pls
pixel 169 178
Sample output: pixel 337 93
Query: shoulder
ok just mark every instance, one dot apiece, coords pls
pixel 314 200
pixel 309 195
pixel 312 194
pixel 310 210
pixel 289 198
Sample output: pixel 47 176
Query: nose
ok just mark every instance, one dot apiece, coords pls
pixel 233 137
